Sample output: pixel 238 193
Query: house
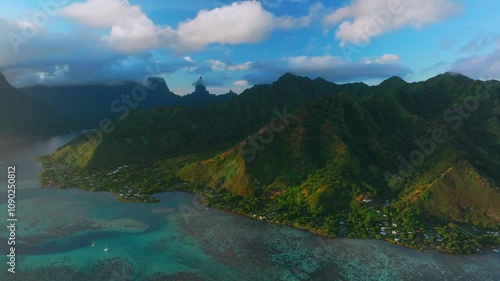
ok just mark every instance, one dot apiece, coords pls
pixel 394 232
pixel 383 233
pixel 394 225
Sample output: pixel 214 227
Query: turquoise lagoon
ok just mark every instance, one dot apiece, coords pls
pixel 179 239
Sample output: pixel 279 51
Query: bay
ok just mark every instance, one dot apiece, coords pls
pixel 179 239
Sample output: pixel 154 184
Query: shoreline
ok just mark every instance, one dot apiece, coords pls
pixel 312 231
pixel 202 201
pixel 137 196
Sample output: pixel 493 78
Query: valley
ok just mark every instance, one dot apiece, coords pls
pixel 316 167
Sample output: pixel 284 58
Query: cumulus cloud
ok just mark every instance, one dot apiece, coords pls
pixel 328 67
pixel 240 22
pixel 362 20
pixel 74 58
pixel 102 13
pixel 131 29
pixel 218 65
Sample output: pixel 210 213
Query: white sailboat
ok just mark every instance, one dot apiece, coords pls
pixel 93 243
pixel 106 248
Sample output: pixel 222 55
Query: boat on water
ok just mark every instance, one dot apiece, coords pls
pixel 106 248
pixel 93 243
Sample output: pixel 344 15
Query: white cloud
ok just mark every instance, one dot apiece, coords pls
pixel 192 64
pixel 481 43
pixel 358 22
pixel 189 59
pixel 240 22
pixel 131 29
pixel 56 75
pixel 241 66
pixel 51 58
pixel 241 83
pixel 218 65
pixel 102 13
pixel 288 22
pixel 483 67
pixel 383 59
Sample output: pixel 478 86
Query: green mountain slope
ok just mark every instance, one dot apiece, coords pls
pixel 145 136
pixel 336 159
pixel 84 106
pixel 340 149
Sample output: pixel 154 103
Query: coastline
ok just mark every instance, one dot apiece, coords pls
pixel 323 235
pixel 117 183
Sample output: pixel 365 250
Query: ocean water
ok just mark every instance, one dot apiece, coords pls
pixel 179 239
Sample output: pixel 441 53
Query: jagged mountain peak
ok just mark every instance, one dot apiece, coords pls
pixel 160 83
pixel 394 79
pixel 200 88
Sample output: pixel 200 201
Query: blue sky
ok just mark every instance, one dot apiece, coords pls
pixel 236 44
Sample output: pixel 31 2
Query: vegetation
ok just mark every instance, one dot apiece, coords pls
pixel 85 106
pixel 414 164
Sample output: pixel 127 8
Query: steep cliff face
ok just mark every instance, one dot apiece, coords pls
pixel 85 106
pixel 200 88
pixel 20 116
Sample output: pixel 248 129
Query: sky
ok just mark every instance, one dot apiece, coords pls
pixel 237 44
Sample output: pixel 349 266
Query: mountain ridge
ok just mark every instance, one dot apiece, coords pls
pixel 84 106
pixel 311 153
